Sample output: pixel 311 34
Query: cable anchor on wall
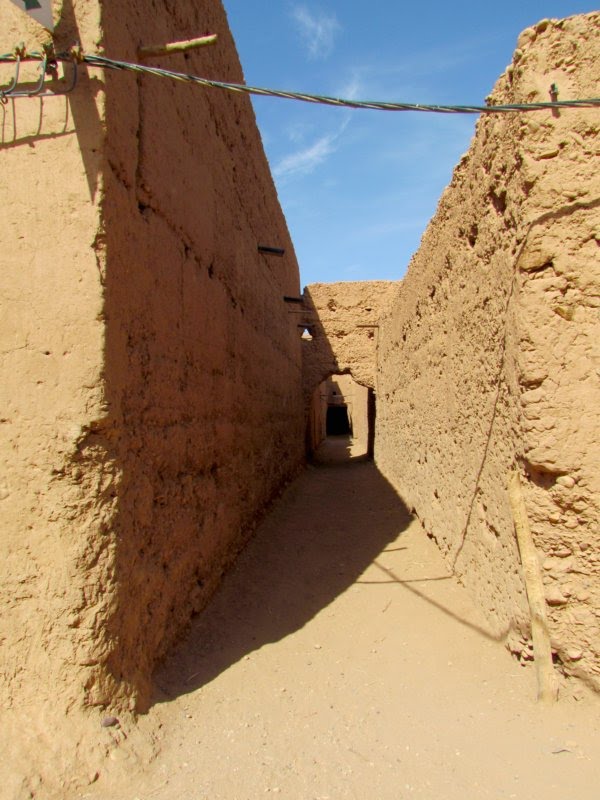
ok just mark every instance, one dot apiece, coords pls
pixel 554 97
pixel 19 52
pixel 48 66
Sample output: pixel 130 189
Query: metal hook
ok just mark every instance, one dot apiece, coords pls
pixel 73 83
pixel 40 86
pixel 47 66
pixel 76 54
pixel 73 79
pixel 4 93
pixel 50 66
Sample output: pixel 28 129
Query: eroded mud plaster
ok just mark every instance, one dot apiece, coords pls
pixel 151 398
pixel 490 358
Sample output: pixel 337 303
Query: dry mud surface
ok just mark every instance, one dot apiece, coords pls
pixel 340 660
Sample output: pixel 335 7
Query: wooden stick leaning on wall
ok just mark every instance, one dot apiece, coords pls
pixel 169 49
pixel 542 651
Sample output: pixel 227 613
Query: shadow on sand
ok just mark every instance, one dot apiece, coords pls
pixel 319 538
pixel 340 449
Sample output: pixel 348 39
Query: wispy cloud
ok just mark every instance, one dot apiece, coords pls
pixel 317 29
pixel 415 76
pixel 352 89
pixel 298 131
pixel 307 159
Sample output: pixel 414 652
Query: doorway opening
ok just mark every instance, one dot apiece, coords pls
pixel 341 420
pixel 337 422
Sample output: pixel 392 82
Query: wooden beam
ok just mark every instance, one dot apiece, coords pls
pixel 147 51
pixel 532 575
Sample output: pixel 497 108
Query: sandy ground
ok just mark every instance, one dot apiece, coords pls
pixel 340 660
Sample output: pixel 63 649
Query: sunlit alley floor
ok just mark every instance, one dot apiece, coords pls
pixel 341 660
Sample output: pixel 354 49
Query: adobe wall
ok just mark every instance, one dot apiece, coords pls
pixel 150 377
pixel 343 319
pixel 490 357
pixel 356 397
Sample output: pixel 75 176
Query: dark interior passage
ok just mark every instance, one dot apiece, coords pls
pixel 337 422
pixel 371 415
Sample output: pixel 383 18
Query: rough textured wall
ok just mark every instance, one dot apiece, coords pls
pixel 202 356
pixel 51 362
pixel 317 418
pixel 343 319
pixel 150 375
pixel 490 357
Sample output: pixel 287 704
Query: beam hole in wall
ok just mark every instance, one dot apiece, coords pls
pixel 341 421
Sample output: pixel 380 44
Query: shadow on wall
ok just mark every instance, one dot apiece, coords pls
pixel 302 558
pixel 202 377
pixel 82 104
pixel 318 358
pixel 61 116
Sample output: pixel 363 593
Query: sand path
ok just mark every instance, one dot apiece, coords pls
pixel 340 660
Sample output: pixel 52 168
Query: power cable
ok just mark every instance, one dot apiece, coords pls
pixel 102 62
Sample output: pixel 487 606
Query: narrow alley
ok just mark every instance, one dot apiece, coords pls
pixel 339 659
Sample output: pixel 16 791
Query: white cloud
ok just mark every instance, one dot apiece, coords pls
pixel 317 29
pixel 413 77
pixel 352 89
pixel 306 160
pixel 297 132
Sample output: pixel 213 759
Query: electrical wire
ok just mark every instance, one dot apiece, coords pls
pixel 102 62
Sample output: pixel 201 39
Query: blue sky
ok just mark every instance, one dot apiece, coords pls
pixel 359 187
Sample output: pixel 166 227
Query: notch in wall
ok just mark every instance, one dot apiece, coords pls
pixel 271 251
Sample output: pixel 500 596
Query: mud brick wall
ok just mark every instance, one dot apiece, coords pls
pixel 490 358
pixel 150 379
pixel 343 319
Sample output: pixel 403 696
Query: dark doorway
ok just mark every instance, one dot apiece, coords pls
pixel 337 422
pixel 371 414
